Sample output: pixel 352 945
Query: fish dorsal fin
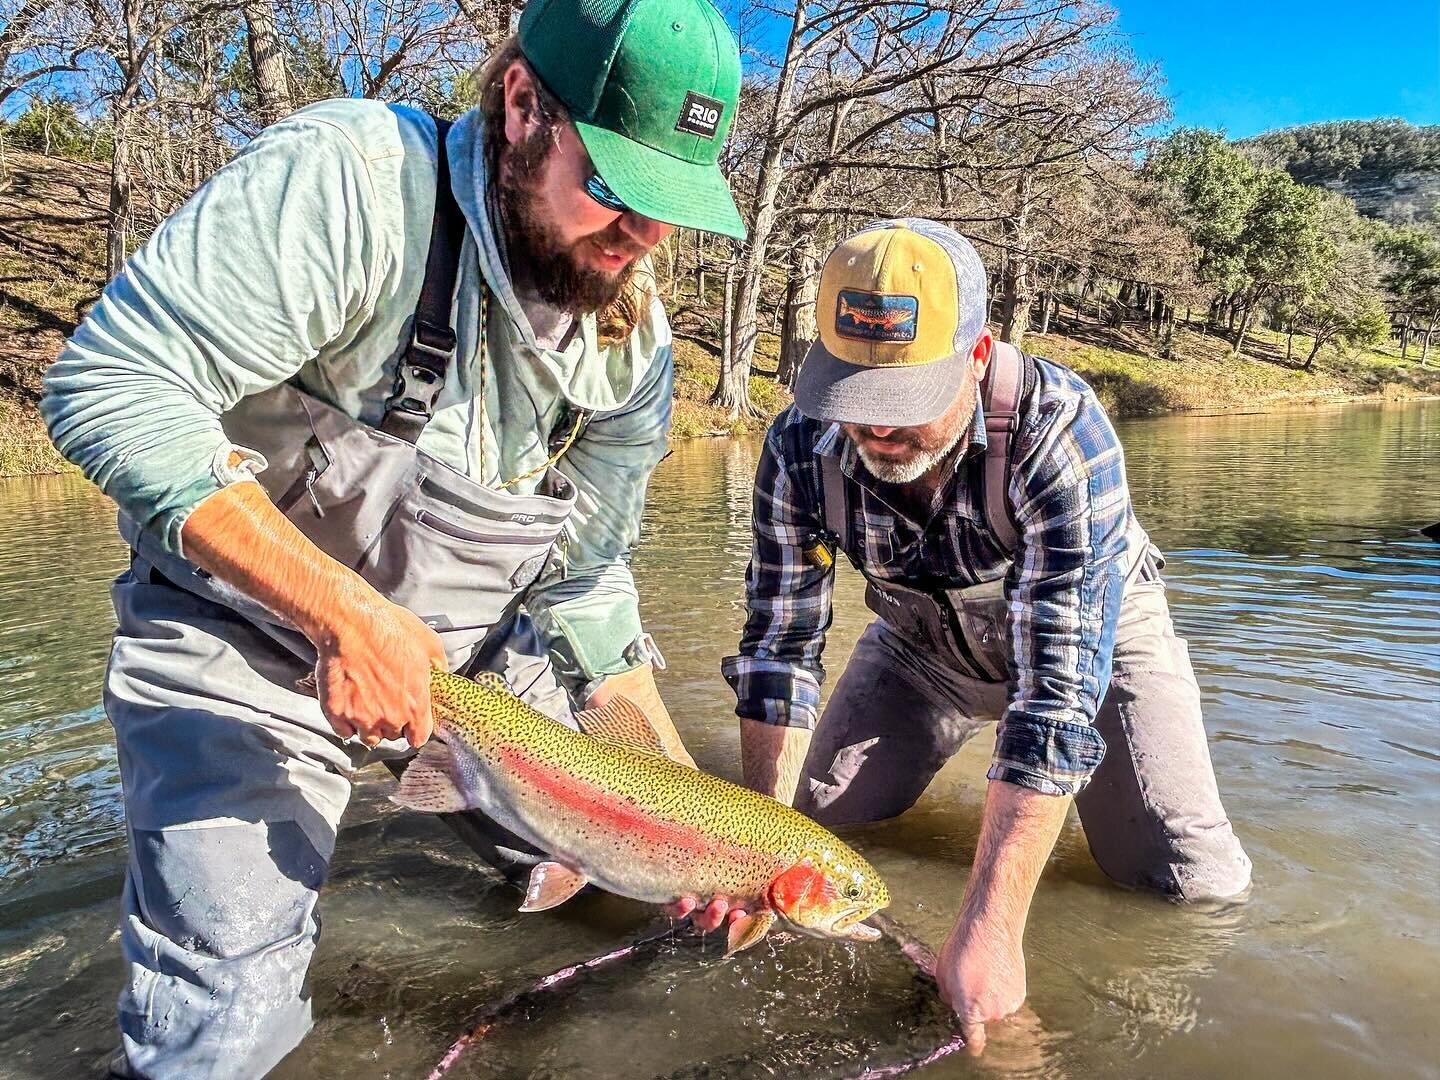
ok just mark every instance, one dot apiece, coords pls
pixel 621 721
pixel 428 783
pixel 492 681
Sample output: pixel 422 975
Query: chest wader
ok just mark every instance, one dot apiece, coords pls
pixel 967 628
pixel 458 554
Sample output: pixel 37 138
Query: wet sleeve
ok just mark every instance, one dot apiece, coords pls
pixel 1064 591
pixel 237 289
pixel 586 605
pixel 777 673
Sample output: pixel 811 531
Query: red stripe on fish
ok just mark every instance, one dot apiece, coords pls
pixel 605 808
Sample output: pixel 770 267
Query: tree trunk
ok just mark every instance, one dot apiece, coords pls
pixel 1425 349
pixel 117 230
pixel 733 387
pixel 267 61
pixel 799 330
pixel 732 391
pixel 1048 301
pixel 1167 332
pixel 1244 329
pixel 1015 305
pixel 700 282
pixel 1289 341
pixel 1314 352
pixel 1405 338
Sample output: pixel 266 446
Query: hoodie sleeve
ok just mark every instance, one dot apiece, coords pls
pixel 586 605
pixel 235 291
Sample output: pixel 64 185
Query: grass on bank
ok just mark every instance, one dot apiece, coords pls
pixel 25 448
pixel 697 369
pixel 1204 375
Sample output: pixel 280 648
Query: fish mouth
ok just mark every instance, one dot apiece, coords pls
pixel 849 924
pixel 852 926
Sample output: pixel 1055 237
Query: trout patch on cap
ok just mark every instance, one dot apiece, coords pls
pixel 871 316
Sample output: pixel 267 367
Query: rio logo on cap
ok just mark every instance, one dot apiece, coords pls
pixel 700 115
pixel 871 316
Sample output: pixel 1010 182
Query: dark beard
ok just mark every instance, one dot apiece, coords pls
pixel 535 252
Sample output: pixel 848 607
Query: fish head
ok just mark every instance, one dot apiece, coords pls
pixel 829 893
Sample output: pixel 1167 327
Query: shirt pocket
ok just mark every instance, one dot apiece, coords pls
pixel 877 538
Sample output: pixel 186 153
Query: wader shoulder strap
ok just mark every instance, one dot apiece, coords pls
pixel 421 374
pixel 1003 388
pixel 833 495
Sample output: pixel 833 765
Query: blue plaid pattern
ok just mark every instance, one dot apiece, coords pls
pixel 1063 586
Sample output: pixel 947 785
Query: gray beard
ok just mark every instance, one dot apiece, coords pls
pixel 907 472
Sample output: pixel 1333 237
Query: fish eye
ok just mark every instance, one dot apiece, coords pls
pixel 852 891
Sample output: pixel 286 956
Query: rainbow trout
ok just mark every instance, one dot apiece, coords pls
pixel 613 810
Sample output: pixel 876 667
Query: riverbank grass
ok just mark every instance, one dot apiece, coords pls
pixel 1204 375
pixel 25 448
pixel 697 370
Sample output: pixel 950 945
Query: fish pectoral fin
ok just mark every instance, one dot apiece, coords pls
pixel 621 721
pixel 551 885
pixel 428 783
pixel 748 930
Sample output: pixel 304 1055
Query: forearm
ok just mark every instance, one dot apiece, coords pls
pixel 772 757
pixel 238 535
pixel 1017 835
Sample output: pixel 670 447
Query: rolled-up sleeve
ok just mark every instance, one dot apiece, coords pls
pixel 777 673
pixel 1064 591
pixel 586 605
pixel 234 292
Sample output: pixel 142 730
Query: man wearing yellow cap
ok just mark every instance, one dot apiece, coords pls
pixel 982 494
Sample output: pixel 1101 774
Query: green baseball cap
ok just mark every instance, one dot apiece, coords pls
pixel 651 86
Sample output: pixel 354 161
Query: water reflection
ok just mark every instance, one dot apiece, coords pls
pixel 1310 602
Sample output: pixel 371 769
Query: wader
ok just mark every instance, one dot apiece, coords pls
pixel 935 667
pixel 234 782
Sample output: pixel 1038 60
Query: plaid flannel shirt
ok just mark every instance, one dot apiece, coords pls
pixel 1063 586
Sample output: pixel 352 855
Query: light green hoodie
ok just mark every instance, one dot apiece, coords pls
pixel 303 257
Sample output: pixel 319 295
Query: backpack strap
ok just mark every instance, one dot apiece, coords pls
pixel 1001 391
pixel 420 375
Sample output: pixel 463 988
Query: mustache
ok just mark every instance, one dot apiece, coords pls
pixel 614 240
pixel 892 440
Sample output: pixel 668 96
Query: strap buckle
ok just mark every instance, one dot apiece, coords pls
pixel 420 375
pixel 433 340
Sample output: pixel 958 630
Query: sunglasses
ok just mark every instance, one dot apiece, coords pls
pixel 597 190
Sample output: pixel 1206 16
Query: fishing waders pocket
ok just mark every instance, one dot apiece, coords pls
pixel 965 628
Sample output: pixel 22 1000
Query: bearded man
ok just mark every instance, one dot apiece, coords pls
pixel 380 397
pixel 1012 584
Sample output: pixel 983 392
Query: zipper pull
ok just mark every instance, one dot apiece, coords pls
pixel 310 478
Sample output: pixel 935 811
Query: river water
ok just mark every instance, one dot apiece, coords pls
pixel 1312 607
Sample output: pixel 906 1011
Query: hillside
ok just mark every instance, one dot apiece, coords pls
pixel 52 260
pixel 1390 168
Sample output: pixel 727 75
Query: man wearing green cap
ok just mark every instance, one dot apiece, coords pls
pixel 981 492
pixel 379 397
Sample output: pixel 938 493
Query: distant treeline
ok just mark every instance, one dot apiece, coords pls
pixel 1330 154
pixel 1027 125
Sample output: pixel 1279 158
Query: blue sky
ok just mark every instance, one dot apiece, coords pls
pixel 1252 66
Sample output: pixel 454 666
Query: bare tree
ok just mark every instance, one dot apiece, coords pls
pixel 848 109
pixel 39 40
pixel 267 61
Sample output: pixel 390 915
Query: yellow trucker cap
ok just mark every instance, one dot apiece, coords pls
pixel 900 306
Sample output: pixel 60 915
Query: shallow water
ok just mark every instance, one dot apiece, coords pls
pixel 1312 608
